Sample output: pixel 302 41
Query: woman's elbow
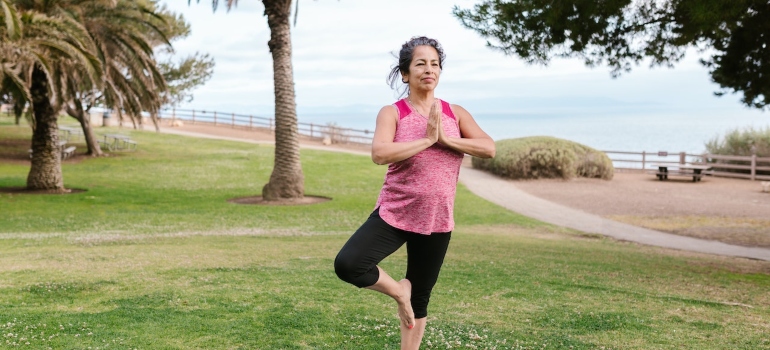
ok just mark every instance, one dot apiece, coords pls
pixel 377 158
pixel 489 151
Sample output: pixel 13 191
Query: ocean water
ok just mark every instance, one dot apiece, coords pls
pixel 650 132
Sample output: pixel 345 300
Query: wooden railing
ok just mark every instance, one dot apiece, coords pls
pixel 334 133
pixel 745 167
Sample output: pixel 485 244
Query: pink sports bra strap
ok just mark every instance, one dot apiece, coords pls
pixel 403 109
pixel 447 109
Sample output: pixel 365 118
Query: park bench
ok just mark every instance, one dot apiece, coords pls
pixel 696 171
pixel 67 152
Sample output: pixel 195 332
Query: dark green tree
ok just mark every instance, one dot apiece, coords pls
pixel 734 34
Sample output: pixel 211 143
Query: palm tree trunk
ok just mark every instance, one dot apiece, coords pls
pixel 286 181
pixel 154 116
pixel 18 109
pixel 80 115
pixel 45 172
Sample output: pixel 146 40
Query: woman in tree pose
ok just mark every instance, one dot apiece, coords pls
pixel 423 140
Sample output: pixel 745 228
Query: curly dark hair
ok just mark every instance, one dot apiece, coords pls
pixel 405 59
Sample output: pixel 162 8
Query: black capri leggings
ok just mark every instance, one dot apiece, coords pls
pixel 356 263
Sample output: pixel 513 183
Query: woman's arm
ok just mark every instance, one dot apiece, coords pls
pixel 385 151
pixel 474 141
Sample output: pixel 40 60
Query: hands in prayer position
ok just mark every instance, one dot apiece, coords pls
pixel 434 132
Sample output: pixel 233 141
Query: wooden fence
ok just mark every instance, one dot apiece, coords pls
pixel 334 133
pixel 745 167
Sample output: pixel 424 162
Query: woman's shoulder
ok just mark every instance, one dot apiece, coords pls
pixel 458 111
pixel 388 112
pixel 388 109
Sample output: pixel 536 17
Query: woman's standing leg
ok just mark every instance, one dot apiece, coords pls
pixel 425 257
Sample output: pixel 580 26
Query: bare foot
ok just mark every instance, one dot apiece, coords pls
pixel 405 311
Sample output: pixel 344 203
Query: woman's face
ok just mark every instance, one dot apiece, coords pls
pixel 424 70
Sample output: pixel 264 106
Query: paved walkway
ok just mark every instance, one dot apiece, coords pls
pixel 504 193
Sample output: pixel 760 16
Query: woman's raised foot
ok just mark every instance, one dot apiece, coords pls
pixel 405 312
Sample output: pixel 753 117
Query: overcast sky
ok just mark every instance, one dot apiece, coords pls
pixel 342 55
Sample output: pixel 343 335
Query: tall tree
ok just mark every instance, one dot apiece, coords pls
pixel 287 182
pixel 44 47
pixel 620 33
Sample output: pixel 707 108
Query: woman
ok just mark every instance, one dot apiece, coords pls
pixel 423 139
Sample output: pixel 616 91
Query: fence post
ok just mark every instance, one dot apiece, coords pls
pixel 193 116
pixel 753 167
pixel 173 116
pixel 233 120
pixel 644 159
pixel 311 130
pixel 682 157
pixel 251 121
pixel 271 124
pixel 215 118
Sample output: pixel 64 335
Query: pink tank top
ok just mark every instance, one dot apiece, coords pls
pixel 419 192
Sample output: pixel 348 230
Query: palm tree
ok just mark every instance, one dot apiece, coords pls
pixel 287 183
pixel 123 31
pixel 45 45
pixel 11 84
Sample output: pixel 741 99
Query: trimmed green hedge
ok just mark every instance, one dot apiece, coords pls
pixel 539 157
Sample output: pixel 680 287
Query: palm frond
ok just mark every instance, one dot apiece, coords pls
pixel 11 20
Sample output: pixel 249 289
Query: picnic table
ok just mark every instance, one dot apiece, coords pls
pixel 116 142
pixel 693 170
pixel 70 132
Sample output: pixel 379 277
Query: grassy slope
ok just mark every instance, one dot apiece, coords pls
pixel 152 256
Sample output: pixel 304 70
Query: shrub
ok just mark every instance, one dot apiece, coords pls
pixel 546 157
pixel 739 143
pixel 743 143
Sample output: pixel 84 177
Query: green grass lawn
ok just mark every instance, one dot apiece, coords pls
pixel 152 256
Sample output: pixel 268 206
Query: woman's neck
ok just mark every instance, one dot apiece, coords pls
pixel 422 102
